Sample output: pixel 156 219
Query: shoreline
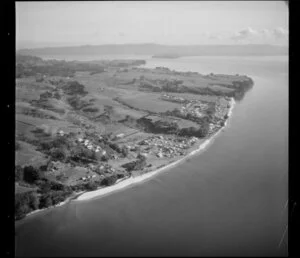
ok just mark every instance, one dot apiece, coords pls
pixel 127 182
pixel 73 196
pixel 134 180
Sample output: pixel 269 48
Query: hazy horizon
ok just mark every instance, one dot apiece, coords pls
pixel 147 43
pixel 64 24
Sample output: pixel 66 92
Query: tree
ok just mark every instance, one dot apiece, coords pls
pixel 31 174
pixel 59 154
pixel 91 186
pixel 57 197
pixel 124 151
pixel 24 203
pixel 141 157
pixel 110 180
pixel 21 211
pixel 33 201
pixel 45 201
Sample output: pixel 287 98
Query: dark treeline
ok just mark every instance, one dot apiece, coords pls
pixel 240 88
pixel 32 66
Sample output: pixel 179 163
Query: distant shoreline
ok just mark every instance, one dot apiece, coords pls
pixel 134 180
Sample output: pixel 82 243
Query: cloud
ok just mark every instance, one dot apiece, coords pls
pixel 245 34
pixel 280 32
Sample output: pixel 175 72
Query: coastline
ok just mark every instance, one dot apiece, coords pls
pixel 124 183
pixel 73 196
pixel 134 180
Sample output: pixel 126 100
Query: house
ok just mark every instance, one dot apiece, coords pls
pixel 61 132
pixel 160 155
pixel 120 135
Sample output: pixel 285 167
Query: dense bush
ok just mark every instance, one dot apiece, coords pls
pixel 18 173
pixel 24 203
pixel 31 174
pixel 79 153
pixel 17 146
pixel 45 201
pixel 60 154
pixel 109 180
pixel 58 196
pixel 159 126
pixel 90 109
pixel 115 147
pixel 138 164
pixel 74 88
pixel 91 186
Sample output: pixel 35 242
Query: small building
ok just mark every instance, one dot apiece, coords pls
pixel 160 155
pixel 61 132
pixel 120 135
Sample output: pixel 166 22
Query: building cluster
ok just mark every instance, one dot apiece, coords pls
pixel 91 146
pixel 168 147
pixel 222 107
pixel 194 109
pixel 85 178
pixel 173 98
pixel 221 110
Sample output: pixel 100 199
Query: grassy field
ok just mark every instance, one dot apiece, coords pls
pixel 150 101
pixel 28 155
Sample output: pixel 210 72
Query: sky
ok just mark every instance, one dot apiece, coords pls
pixel 52 24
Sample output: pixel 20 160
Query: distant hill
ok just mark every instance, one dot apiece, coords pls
pixel 155 49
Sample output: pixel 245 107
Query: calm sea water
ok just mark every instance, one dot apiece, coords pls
pixel 228 201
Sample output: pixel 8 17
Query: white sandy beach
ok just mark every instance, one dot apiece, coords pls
pixel 134 180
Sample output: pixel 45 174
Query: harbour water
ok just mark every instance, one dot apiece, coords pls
pixel 227 201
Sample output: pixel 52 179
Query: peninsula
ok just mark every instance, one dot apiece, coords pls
pixel 99 126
